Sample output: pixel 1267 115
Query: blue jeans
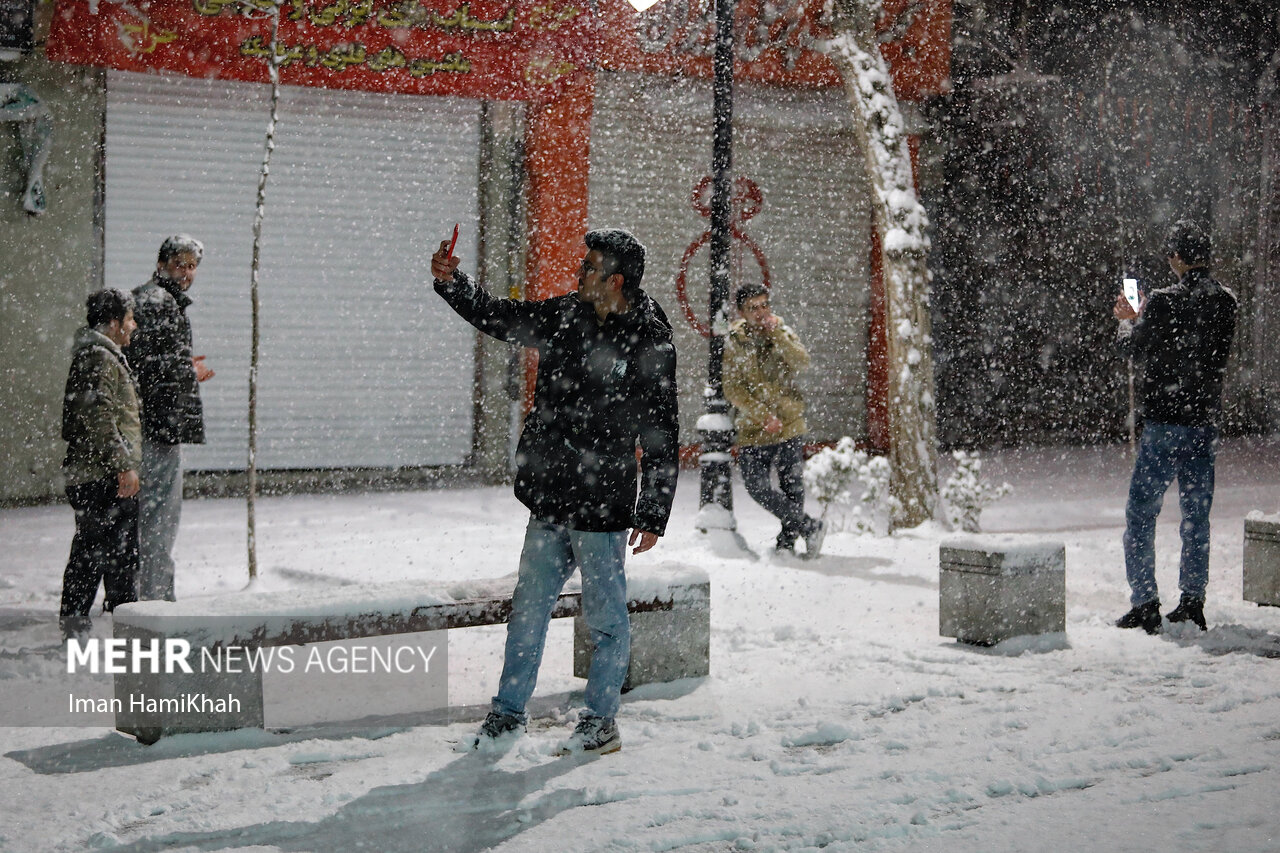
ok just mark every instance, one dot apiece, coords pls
pixel 786 503
pixel 1167 451
pixel 551 553
pixel 159 512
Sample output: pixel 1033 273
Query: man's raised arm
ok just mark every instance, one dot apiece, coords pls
pixel 505 319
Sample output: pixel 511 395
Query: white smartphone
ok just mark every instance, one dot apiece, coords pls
pixel 1131 292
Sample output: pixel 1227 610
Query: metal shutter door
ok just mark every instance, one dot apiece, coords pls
pixel 362 365
pixel 651 142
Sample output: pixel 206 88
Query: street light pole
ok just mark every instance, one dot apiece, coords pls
pixel 715 425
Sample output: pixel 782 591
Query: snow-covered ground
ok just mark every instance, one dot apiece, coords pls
pixel 835 716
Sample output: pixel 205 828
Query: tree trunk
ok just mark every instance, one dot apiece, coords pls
pixel 255 312
pixel 901 222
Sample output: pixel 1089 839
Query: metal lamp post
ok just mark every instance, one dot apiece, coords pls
pixel 716 426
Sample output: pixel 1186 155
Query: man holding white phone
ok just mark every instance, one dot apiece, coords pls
pixel 1182 338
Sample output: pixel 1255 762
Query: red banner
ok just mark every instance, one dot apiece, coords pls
pixel 494 49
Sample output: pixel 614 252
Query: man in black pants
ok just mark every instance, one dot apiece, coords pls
pixel 763 359
pixel 100 423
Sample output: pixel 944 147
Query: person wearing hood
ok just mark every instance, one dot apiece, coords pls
pixel 763 359
pixel 169 376
pixel 606 384
pixel 100 423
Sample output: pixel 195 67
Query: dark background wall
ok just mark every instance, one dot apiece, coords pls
pixel 1075 134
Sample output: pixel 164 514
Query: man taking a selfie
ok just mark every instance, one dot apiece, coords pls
pixel 1181 337
pixel 606 385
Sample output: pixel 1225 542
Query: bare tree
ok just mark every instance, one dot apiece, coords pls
pixel 901 222
pixel 259 213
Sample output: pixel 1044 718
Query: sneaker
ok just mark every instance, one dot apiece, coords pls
pixel 1189 609
pixel 495 727
pixel 1145 616
pixel 592 736
pixel 813 539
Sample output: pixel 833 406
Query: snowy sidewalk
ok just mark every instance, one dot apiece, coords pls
pixel 835 715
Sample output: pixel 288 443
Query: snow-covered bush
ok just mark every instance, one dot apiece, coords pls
pixel 830 476
pixel 966 493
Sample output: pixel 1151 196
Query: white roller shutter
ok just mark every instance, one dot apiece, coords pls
pixel 362 365
pixel 651 142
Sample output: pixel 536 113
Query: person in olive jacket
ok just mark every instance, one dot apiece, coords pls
pixel 606 383
pixel 763 359
pixel 169 376
pixel 100 423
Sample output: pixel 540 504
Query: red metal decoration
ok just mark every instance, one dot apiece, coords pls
pixel 747 200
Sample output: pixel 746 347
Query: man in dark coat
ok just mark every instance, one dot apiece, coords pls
pixel 173 414
pixel 1182 338
pixel 104 451
pixel 606 383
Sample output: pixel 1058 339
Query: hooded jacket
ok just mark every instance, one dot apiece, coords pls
pixel 1183 339
pixel 760 379
pixel 602 387
pixel 100 421
pixel 161 354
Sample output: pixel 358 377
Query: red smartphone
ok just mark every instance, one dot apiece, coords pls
pixel 454 241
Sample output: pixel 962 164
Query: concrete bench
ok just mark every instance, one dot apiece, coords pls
pixel 670 636
pixel 993 588
pixel 1262 559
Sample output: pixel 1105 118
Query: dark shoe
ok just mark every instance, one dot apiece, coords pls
pixel 1189 609
pixel 592 736
pixel 816 532
pixel 494 728
pixel 1145 616
pixel 81 636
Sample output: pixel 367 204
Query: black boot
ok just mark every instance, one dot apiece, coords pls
pixel 1145 616
pixel 1189 609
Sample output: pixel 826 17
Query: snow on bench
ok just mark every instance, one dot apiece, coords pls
pixel 670 636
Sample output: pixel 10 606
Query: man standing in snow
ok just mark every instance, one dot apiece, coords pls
pixel 172 412
pixel 1182 338
pixel 606 382
pixel 104 450
pixel 762 361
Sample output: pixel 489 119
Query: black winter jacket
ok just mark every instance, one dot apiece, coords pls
pixel 1182 340
pixel 160 353
pixel 601 388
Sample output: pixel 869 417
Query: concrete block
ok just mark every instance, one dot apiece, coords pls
pixel 665 644
pixel 990 589
pixel 1262 560
pixel 153 705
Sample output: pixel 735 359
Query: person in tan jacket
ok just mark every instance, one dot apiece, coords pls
pixel 762 360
